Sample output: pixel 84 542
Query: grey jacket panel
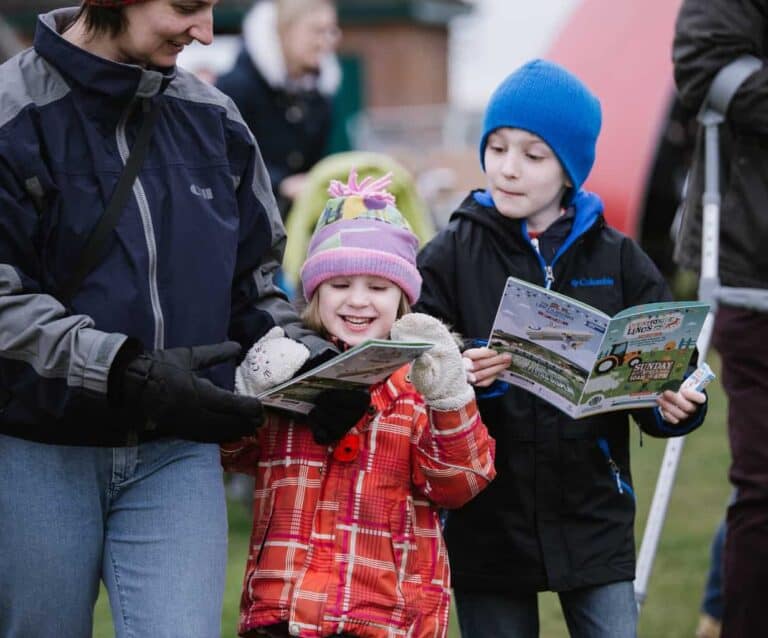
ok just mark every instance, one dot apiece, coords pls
pixel 36 329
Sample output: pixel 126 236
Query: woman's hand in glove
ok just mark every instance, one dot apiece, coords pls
pixel 161 391
pixel 438 374
pixel 272 360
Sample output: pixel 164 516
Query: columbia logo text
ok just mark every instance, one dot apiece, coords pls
pixel 589 282
pixel 205 193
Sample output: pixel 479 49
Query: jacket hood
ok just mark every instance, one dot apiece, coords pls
pixel 479 207
pixel 105 86
pixel 262 44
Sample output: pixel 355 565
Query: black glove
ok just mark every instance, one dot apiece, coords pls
pixel 319 359
pixel 335 412
pixel 161 391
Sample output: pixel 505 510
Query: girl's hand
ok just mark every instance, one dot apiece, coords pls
pixel 678 406
pixel 483 365
pixel 438 374
pixel 272 360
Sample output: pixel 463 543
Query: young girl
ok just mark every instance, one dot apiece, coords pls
pixel 346 538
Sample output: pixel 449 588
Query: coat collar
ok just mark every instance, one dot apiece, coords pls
pixel 104 86
pixel 398 385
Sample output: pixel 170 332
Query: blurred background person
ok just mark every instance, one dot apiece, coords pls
pixel 283 81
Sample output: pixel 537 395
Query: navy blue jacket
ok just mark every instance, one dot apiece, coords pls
pixel 554 518
pixel 190 261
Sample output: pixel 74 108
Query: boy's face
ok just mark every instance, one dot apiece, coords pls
pixel 358 307
pixel 525 177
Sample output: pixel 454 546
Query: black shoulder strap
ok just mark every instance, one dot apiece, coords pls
pixel 93 252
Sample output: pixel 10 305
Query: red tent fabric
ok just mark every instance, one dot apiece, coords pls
pixel 622 51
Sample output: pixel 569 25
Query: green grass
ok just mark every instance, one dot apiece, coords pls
pixel 677 580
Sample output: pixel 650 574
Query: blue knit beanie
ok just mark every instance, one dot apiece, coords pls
pixel 543 98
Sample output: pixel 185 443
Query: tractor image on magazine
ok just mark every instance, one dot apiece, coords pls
pixel 616 357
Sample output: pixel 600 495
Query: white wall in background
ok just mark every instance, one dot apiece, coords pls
pixel 486 45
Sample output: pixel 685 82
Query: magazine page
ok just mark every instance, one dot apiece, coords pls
pixel 646 350
pixel 554 341
pixel 365 364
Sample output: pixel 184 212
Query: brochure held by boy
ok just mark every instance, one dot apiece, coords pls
pixel 364 365
pixel 584 362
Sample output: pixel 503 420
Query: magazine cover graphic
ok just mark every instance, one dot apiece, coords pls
pixel 646 350
pixel 585 362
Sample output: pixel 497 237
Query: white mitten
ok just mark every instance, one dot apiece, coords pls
pixel 439 373
pixel 272 360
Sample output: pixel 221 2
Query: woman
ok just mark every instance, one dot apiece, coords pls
pixel 108 468
pixel 283 82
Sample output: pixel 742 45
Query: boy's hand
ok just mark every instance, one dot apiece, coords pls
pixel 272 360
pixel 483 365
pixel 678 406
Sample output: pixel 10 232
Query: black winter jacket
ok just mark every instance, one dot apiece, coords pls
pixel 708 36
pixel 291 127
pixel 553 519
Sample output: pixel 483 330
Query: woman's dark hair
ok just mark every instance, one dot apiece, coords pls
pixel 102 20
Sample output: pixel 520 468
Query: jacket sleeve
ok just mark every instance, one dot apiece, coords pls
pixel 643 283
pixel 708 35
pixel 35 328
pixel 436 263
pixel 451 454
pixel 258 304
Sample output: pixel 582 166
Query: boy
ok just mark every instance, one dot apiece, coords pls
pixel 560 513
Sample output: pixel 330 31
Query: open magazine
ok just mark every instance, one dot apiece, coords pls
pixel 584 362
pixel 359 367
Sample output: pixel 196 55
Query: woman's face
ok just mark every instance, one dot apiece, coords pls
pixel 158 30
pixel 309 38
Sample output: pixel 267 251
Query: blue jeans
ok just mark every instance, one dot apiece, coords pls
pixel 604 611
pixel 150 521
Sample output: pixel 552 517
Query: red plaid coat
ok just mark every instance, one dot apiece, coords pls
pixel 348 539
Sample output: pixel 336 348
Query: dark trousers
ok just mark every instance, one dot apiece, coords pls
pixel 712 603
pixel 741 337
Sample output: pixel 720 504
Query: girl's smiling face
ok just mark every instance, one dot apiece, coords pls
pixel 354 308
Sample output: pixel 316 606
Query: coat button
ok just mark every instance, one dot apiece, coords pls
pixel 294 114
pixel 294 629
pixel 348 448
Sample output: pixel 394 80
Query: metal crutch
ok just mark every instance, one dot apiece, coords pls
pixel 711 115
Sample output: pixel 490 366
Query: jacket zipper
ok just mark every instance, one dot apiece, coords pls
pixel 549 276
pixel 621 485
pixel 149 231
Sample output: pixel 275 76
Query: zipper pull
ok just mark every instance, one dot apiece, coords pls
pixel 616 475
pixel 549 277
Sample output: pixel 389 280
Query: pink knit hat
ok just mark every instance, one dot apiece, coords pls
pixel 360 232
